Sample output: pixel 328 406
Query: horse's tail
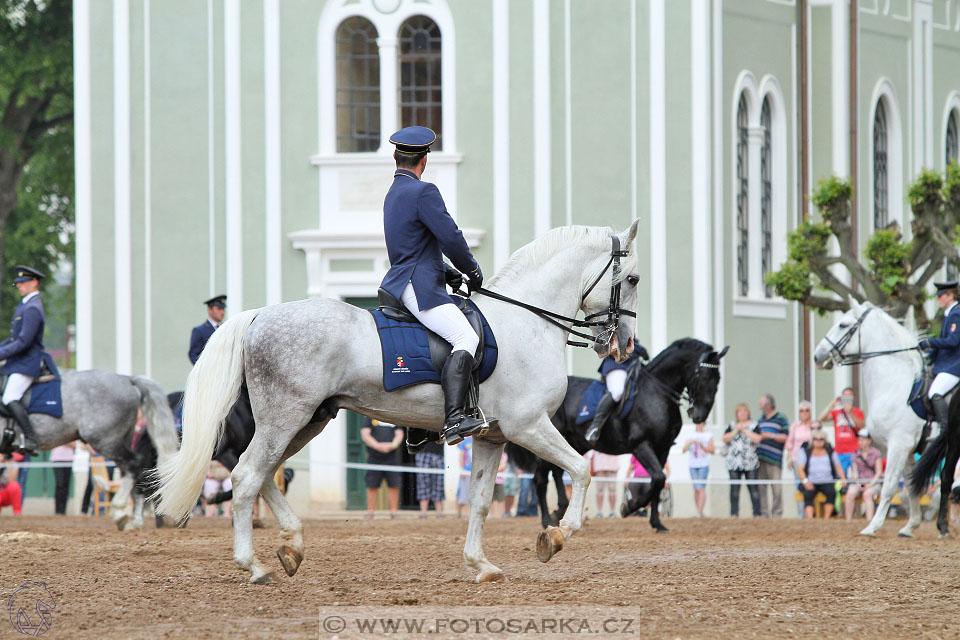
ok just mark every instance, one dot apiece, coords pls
pixel 160 423
pixel 928 464
pixel 213 387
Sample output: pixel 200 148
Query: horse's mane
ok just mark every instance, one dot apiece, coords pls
pixel 683 344
pixel 546 246
pixel 903 338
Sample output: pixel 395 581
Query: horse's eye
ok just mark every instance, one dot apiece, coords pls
pixel 633 280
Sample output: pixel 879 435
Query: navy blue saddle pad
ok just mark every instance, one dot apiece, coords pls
pixel 45 398
pixel 916 399
pixel 406 351
pixel 588 405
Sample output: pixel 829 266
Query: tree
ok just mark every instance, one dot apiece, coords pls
pixel 891 273
pixel 36 136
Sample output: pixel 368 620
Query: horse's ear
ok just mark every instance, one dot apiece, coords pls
pixel 631 233
pixel 723 352
pixel 854 305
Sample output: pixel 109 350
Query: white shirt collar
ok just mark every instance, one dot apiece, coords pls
pixel 215 325
pixel 945 313
pixel 30 296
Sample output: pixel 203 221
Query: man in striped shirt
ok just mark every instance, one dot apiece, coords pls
pixel 773 429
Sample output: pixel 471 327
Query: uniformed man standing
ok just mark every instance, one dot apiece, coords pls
pixel 23 351
pixel 419 231
pixel 946 350
pixel 216 307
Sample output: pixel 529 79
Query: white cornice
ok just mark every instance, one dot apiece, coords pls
pixel 376 159
pixel 317 239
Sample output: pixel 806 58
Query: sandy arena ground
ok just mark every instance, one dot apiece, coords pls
pixel 706 579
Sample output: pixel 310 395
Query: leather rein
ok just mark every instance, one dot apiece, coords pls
pixel 612 312
pixel 860 356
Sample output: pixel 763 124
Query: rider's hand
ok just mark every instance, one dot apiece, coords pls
pixel 453 277
pixel 476 280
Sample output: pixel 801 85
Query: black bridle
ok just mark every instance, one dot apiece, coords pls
pixel 612 312
pixel 836 348
pixel 690 389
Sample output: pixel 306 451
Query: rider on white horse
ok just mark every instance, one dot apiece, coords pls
pixel 23 351
pixel 417 228
pixel 946 350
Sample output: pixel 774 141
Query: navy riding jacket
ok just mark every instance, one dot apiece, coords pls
pixel 419 232
pixel 610 364
pixel 198 340
pixel 23 350
pixel 947 346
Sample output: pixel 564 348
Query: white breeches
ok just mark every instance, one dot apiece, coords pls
pixel 17 385
pixel 942 384
pixel 616 380
pixel 446 321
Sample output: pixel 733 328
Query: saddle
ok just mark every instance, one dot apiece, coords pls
pixel 9 429
pixel 921 405
pixel 439 348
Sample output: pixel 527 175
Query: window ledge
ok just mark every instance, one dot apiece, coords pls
pixel 767 308
pixel 362 159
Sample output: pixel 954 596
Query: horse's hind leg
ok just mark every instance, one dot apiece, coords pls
pixel 916 513
pixel 291 530
pixel 136 522
pixel 896 459
pixel 483 475
pixel 254 467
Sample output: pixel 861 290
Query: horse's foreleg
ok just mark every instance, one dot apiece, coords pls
pixel 540 481
pixel 136 522
pixel 896 459
pixel 562 501
pixel 483 475
pixel 946 483
pixel 648 458
pixel 291 530
pixel 916 513
pixel 120 505
pixel 546 442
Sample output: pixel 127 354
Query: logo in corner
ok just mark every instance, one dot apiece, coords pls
pixel 31 608
pixel 400 360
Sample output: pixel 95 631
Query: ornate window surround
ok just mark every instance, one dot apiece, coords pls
pixel 951 108
pixel 755 304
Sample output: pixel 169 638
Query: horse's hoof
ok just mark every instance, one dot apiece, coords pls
pixel 493 576
pixel 549 542
pixel 903 534
pixel 945 536
pixel 122 522
pixel 290 559
pixel 662 530
pixel 264 578
pixel 132 526
pixel 867 533
pixel 258 524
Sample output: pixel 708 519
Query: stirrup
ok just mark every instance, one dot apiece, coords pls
pixel 466 427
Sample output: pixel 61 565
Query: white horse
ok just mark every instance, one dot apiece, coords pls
pixel 891 364
pixel 302 361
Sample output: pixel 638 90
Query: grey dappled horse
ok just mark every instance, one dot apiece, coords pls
pixel 302 361
pixel 100 408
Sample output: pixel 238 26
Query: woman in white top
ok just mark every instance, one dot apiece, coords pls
pixel 700 445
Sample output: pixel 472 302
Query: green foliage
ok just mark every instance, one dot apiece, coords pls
pixel 889 258
pixel 951 188
pixel 832 197
pixel 792 281
pixel 925 190
pixel 808 240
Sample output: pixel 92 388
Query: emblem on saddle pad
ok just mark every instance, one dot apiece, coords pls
pixel 400 368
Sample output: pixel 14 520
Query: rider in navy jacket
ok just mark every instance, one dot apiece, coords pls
pixel 418 231
pixel 614 375
pixel 946 364
pixel 23 352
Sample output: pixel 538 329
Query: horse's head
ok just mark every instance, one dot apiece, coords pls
pixel 703 382
pixel 837 343
pixel 610 296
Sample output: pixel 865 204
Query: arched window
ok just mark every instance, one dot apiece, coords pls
pixel 420 83
pixel 358 86
pixel 880 194
pixel 743 183
pixel 953 144
pixel 766 196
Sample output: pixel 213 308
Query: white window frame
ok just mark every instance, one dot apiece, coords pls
pixel 755 304
pixel 883 90
pixel 952 107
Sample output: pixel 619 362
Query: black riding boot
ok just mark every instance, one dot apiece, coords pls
pixel 455 382
pixel 940 410
pixel 19 413
pixel 604 409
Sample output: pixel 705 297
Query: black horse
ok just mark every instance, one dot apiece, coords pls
pixel 650 428
pixel 945 447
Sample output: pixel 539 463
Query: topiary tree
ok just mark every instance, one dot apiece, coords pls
pixel 890 273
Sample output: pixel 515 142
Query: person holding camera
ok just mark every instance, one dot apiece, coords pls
pixel 847 421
